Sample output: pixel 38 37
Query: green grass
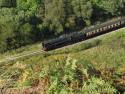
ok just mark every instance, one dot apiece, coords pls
pixel 103 57
pixel 22 50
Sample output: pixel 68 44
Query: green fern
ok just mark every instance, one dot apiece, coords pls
pixel 98 86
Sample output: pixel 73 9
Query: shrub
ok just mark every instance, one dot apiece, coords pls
pixel 98 86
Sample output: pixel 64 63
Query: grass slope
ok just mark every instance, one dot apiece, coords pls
pixel 103 57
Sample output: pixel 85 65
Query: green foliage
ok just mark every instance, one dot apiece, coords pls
pixel 28 21
pixel 68 83
pixel 110 6
pixel 54 19
pixel 97 70
pixel 29 6
pixel 82 9
pixel 7 3
pixel 8 25
pixel 98 86
pixel 60 82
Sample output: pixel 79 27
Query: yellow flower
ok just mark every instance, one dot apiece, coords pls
pixel 23 77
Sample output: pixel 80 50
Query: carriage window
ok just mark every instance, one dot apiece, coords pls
pixel 122 22
pixel 119 23
pixel 101 29
pixel 104 28
pixel 115 24
pixel 109 26
pixel 88 33
pixel 94 31
pixel 112 26
pixel 97 30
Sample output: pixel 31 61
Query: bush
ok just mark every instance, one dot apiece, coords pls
pixel 98 86
pixel 72 80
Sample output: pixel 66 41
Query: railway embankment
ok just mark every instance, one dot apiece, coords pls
pixel 99 61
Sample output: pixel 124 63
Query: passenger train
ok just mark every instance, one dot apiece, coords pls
pixel 68 39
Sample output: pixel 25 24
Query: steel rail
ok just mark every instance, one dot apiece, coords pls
pixel 15 57
pixel 12 58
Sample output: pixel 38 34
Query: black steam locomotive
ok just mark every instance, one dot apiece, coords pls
pixel 87 33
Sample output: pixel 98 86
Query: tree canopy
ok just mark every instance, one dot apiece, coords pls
pixel 26 21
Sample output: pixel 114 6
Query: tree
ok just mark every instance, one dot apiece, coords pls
pixel 8 3
pixel 28 6
pixel 82 9
pixel 28 21
pixel 54 15
pixel 111 6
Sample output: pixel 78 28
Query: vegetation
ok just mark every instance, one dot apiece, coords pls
pixel 27 21
pixel 93 67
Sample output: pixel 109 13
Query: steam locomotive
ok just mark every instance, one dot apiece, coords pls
pixel 68 39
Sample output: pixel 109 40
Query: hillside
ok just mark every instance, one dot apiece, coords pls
pixel 24 22
pixel 95 66
pixel 99 62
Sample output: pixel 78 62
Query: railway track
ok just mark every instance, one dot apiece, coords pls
pixel 91 33
pixel 37 52
pixel 33 53
pixel 15 57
